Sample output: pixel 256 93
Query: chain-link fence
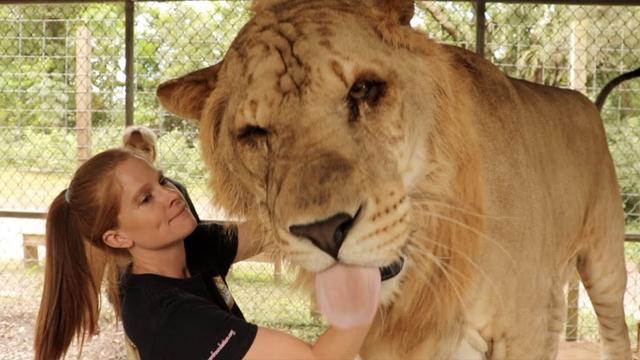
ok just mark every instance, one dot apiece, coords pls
pixel 67 91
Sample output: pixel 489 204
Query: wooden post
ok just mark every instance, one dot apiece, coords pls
pixel 277 270
pixel 83 94
pixel 578 59
pixel 579 55
pixel 30 243
pixel 638 337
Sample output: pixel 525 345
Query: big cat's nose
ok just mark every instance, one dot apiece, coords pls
pixel 327 234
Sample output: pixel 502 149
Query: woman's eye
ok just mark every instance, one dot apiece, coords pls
pixel 163 181
pixel 145 199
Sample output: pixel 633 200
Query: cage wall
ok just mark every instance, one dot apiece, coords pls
pixel 63 97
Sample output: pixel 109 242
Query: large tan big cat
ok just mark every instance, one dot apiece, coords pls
pixel 351 137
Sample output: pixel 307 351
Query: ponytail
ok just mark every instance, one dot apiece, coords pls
pixel 69 305
pixel 77 258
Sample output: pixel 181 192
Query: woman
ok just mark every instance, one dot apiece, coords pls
pixel 143 140
pixel 173 299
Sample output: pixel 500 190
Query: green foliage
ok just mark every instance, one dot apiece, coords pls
pixel 450 22
pixel 624 143
pixel 632 252
pixel 38 95
pixel 48 149
pixel 166 48
pixel 179 155
pixel 38 62
pixel 534 42
pixel 588 325
pixel 41 166
pixel 274 305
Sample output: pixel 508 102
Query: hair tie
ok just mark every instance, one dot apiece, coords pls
pixel 67 196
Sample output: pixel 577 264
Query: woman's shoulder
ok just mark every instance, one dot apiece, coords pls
pixel 152 295
pixel 146 284
pixel 149 301
pixel 155 287
pixel 194 328
pixel 176 319
pixel 212 248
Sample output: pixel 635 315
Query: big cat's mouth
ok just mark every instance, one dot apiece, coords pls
pixel 392 270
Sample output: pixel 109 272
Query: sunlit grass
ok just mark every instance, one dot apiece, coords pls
pixel 263 301
pixel 588 325
pixel 272 304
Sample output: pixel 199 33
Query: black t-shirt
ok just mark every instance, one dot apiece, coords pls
pixel 194 318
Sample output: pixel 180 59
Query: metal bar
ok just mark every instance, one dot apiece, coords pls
pixel 632 237
pixel 20 214
pixel 54 2
pixel 43 215
pixel 78 2
pixel 481 8
pixel 549 2
pixel 23 214
pixel 566 2
pixel 129 67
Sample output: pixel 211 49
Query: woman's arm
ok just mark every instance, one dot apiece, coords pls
pixel 348 296
pixel 249 241
pixel 334 344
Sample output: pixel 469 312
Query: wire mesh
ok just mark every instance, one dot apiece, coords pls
pixel 62 98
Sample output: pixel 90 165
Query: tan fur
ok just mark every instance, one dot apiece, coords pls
pixel 492 189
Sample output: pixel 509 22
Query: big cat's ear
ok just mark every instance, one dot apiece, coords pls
pixel 185 96
pixel 399 11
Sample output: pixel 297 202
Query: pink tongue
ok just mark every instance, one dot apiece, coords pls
pixel 348 295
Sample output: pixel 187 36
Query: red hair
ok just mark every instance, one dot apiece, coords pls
pixel 77 257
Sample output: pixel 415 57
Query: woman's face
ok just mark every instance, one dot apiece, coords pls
pixel 153 213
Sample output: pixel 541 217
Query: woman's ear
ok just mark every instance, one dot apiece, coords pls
pixel 116 239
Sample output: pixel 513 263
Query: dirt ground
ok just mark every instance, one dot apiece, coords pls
pixel 582 351
pixel 16 340
pixel 20 300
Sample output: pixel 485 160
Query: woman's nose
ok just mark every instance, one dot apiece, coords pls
pixel 173 196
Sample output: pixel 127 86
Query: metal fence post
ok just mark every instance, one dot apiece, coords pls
pixel 481 7
pixel 129 9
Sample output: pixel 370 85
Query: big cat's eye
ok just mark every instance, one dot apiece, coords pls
pixel 369 91
pixel 358 90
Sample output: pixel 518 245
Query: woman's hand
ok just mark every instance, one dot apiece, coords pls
pixel 350 298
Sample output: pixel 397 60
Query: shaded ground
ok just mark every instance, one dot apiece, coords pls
pixel 17 329
pixel 263 302
pixel 252 285
pixel 16 339
pixel 582 351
